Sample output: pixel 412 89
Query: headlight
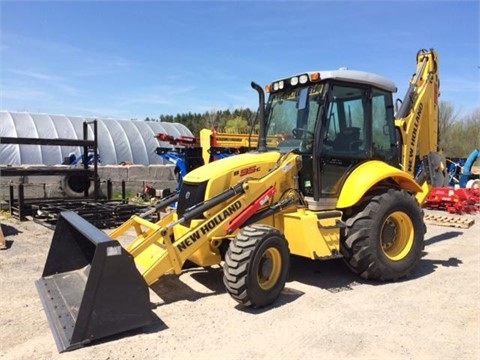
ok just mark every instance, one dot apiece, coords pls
pixel 303 79
pixel 294 81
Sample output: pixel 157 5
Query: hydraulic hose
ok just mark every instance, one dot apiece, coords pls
pixel 197 210
pixel 167 201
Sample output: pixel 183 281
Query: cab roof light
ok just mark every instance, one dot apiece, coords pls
pixel 303 79
pixel 315 76
pixel 268 88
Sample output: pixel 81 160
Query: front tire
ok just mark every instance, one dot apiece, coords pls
pixel 256 265
pixel 384 241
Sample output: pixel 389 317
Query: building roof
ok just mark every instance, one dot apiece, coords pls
pixel 119 141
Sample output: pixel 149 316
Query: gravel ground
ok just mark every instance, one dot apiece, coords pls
pixel 324 311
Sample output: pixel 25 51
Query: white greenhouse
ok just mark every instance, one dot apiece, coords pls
pixel 119 141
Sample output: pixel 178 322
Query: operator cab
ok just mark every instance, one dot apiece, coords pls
pixel 335 120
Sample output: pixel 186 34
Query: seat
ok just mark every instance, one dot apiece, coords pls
pixel 347 140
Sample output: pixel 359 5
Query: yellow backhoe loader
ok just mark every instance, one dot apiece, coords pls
pixel 345 179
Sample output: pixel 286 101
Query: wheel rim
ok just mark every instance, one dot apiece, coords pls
pixel 397 236
pixel 269 268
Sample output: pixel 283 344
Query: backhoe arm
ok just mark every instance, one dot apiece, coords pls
pixel 417 118
pixel 417 122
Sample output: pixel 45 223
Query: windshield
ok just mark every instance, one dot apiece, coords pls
pixel 292 115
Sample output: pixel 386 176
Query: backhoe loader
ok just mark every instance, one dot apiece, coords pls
pixel 345 180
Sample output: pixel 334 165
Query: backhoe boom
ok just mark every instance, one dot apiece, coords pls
pixel 417 122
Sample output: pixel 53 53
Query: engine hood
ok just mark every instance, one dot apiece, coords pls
pixel 220 175
pixel 235 168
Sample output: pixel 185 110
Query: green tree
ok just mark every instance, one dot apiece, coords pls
pixel 448 117
pixel 459 135
pixel 237 125
pixel 210 119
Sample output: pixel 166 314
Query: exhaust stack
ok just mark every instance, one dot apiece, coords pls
pixel 262 137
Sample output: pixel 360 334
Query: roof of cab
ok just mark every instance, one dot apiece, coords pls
pixel 344 74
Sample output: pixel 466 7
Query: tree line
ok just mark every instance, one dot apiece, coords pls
pixel 459 134
pixel 235 121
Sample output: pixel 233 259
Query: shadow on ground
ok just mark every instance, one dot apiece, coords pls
pixel 171 288
pixel 441 237
pixel 157 326
pixel 7 231
pixel 331 275
pixel 427 266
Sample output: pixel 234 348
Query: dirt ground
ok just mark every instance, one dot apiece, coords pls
pixel 324 312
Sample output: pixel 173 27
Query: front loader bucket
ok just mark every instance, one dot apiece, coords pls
pixel 90 287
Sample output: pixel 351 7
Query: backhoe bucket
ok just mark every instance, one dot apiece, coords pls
pixel 90 287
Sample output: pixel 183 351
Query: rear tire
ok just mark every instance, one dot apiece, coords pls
pixel 384 241
pixel 256 265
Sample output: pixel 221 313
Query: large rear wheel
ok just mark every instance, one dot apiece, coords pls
pixel 256 265
pixel 385 239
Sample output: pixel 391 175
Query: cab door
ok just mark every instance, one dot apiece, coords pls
pixel 346 136
pixel 357 126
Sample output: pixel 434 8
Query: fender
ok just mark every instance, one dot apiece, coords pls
pixel 365 176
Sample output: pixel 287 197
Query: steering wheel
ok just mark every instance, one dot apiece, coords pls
pixel 307 137
pixel 300 132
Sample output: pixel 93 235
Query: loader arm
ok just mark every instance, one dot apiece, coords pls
pixel 163 247
pixel 417 124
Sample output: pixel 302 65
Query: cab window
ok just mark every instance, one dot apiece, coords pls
pixel 346 125
pixel 383 135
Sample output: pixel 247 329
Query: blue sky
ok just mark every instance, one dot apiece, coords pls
pixel 127 60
